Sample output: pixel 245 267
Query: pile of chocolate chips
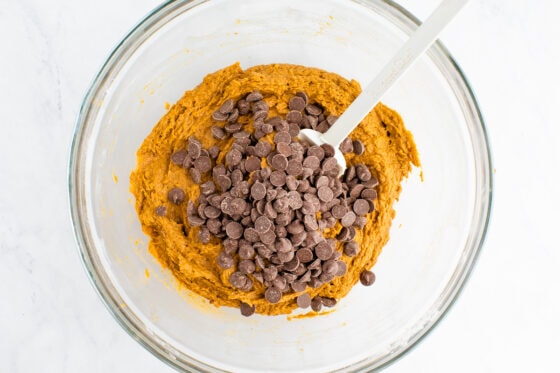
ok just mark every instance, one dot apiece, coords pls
pixel 271 214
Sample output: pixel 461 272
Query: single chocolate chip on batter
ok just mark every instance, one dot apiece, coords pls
pixel 246 309
pixel 316 304
pixel 367 278
pixel 176 196
pixel 273 295
pixel 161 210
pixel 303 300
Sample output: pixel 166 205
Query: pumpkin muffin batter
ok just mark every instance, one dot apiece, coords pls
pixel 390 153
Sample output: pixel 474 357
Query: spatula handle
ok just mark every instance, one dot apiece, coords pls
pixel 393 70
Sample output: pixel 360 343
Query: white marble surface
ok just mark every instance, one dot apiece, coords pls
pixel 51 319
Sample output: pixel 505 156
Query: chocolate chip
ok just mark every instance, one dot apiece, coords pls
pixel 346 146
pixel 176 196
pixel 361 207
pixel 194 148
pixel 293 129
pixel 282 137
pixel 356 190
pixel 292 265
pixel 297 103
pixel 270 273
pixel 330 267
pixel 325 194
pixel 260 115
pixel 342 268
pixel 273 295
pixel 298 238
pixel 329 164
pixel 323 251
pixel 367 278
pixel 313 110
pixel 303 300
pixel 161 210
pixel 348 219
pixel 236 177
pixel 252 164
pixel 328 149
pixel 214 226
pixel 212 212
pixel 322 127
pixel 280 283
pixel 294 167
pixel 260 105
pixel 243 106
pixel 278 178
pixel 246 251
pixel 268 237
pixel 238 280
pixel 312 120
pixel 343 235
pixel 224 182
pixel 246 266
pixel 338 211
pixel 328 302
pixel 237 206
pixel 350 174
pixel 369 193
pixel 363 173
pixel 234 230
pixel 351 248
pixel 263 224
pixel 207 188
pixel 310 222
pixel 294 116
pixel 220 117
pixel 331 119
pixel 246 309
pixel 283 245
pixel 312 162
pixel 304 96
pixel 225 261
pixel 233 116
pixel 254 96
pixel 203 164
pixel 262 149
pixel 227 106
pixel 371 183
pixel 316 264
pixel 214 151
pixel 279 162
pixel 291 182
pixel 233 157
pixel 179 157
pixel 316 304
pixel 298 286
pixel 260 261
pixel 259 276
pixel 230 245
pixel 360 222
pixel 359 147
pixel 304 255
pixel 258 191
pixel 294 200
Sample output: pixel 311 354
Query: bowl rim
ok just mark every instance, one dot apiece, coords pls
pixel 130 322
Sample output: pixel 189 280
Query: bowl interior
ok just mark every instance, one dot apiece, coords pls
pixel 435 236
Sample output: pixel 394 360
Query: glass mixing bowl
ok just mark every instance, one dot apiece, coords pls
pixel 436 235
